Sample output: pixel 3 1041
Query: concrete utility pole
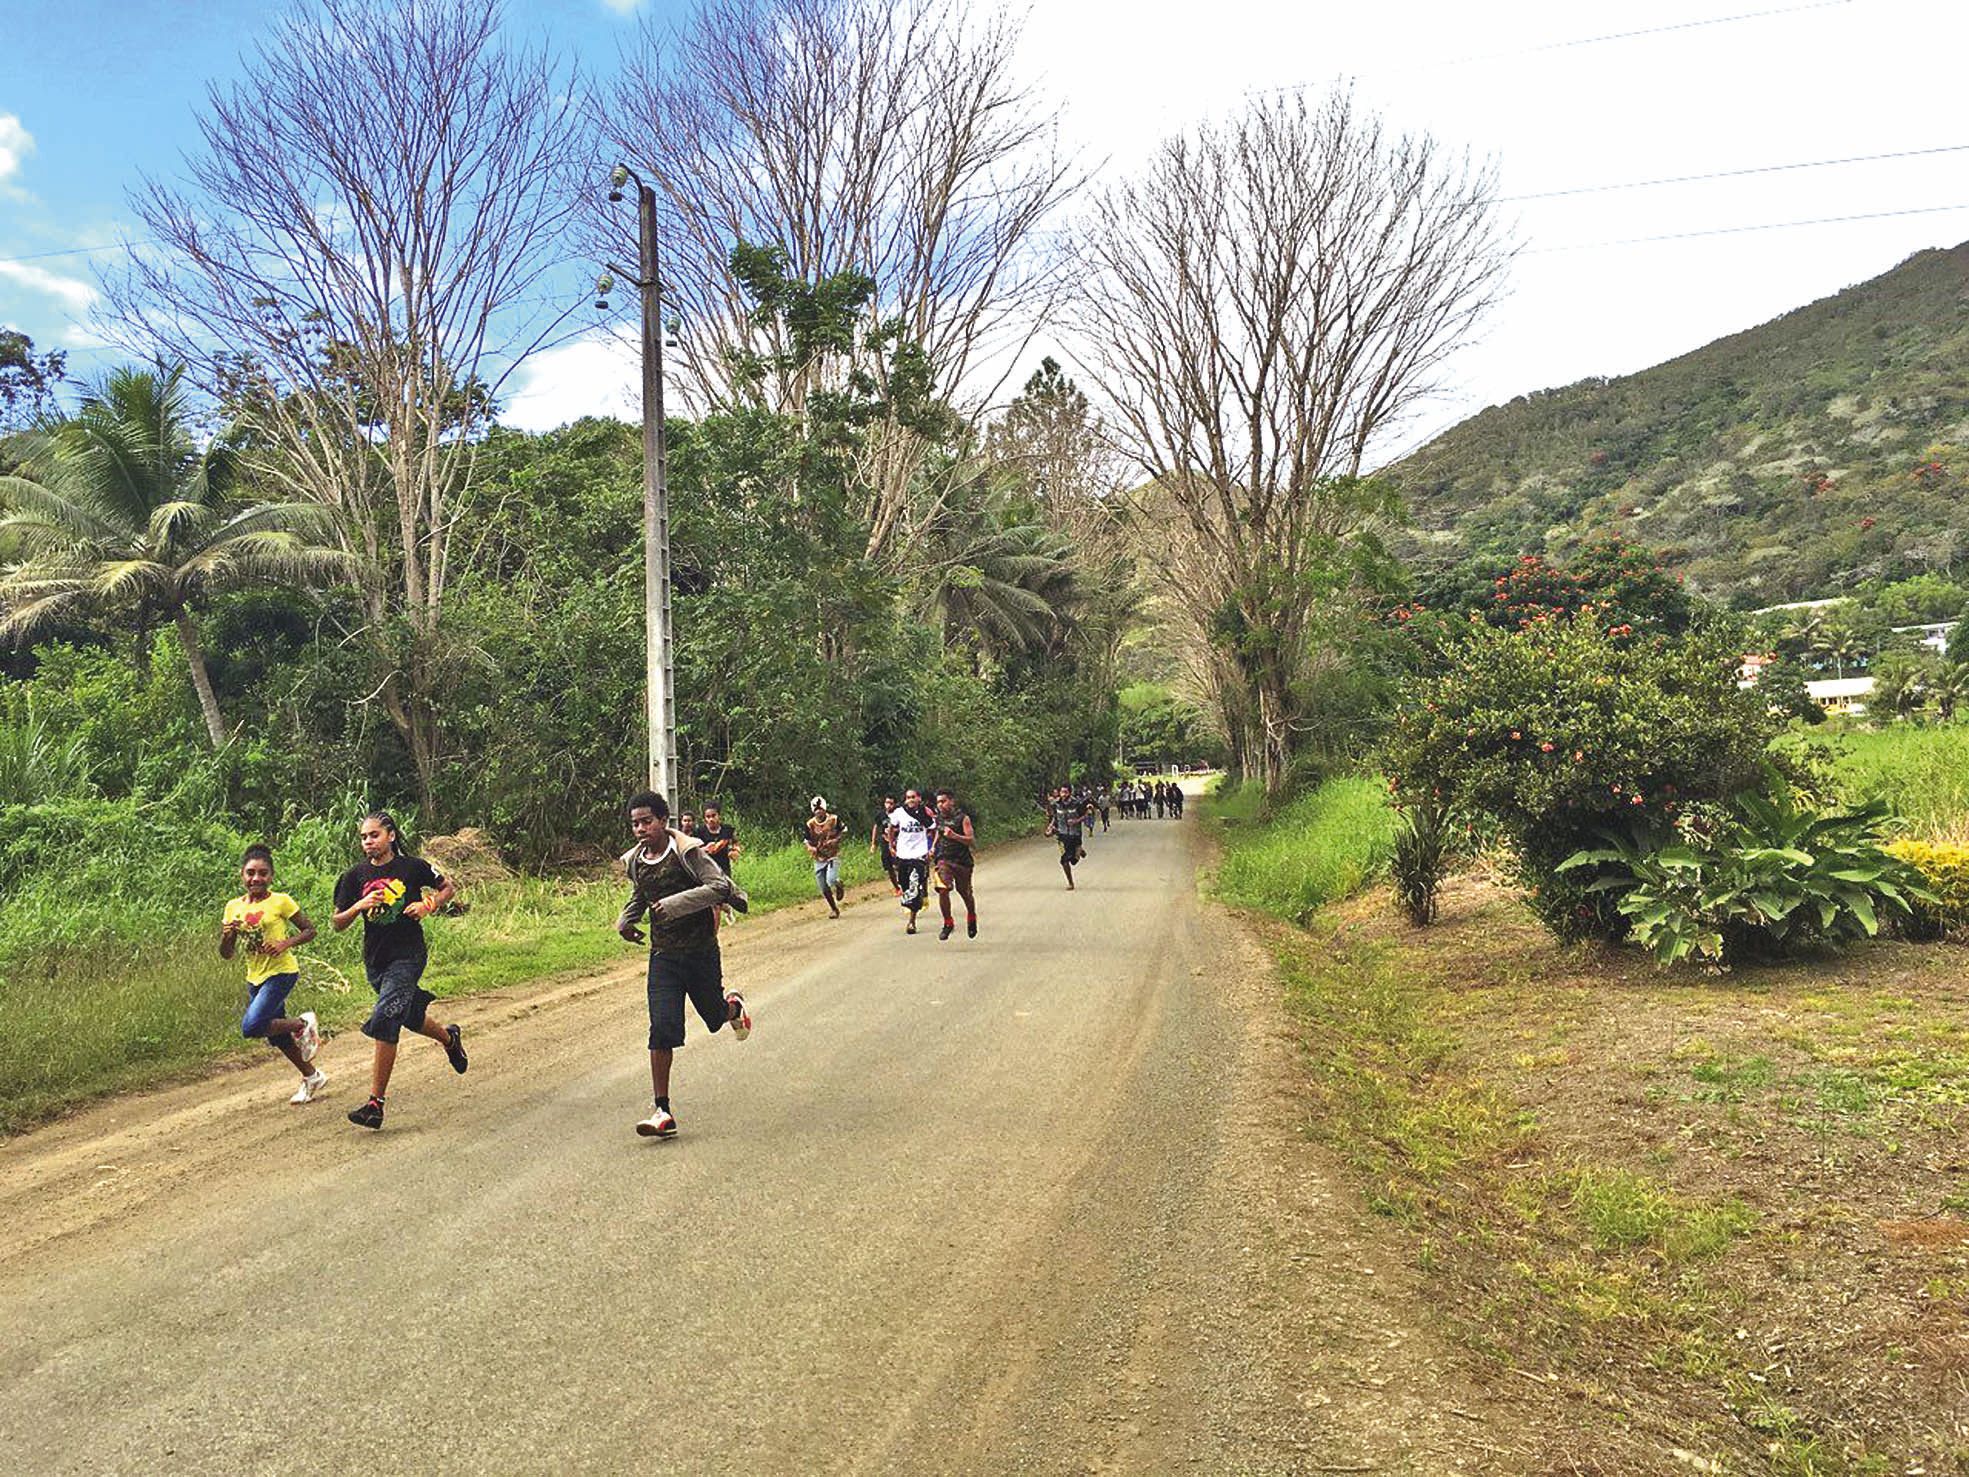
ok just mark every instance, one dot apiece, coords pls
pixel 660 684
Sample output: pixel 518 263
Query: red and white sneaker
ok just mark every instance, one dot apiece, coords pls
pixel 741 1018
pixel 661 1124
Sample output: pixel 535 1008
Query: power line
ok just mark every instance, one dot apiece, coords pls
pixel 1684 179
pixel 1825 220
pixel 42 256
pixel 1719 20
pixel 1578 41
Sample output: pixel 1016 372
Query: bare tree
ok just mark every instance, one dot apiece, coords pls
pixel 354 259
pixel 889 139
pixel 1261 306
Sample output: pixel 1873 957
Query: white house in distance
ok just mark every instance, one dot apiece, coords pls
pixel 1841 694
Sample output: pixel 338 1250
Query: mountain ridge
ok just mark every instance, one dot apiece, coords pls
pixel 1802 457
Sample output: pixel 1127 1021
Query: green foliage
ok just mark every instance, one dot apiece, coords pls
pixel 1805 456
pixel 1325 845
pixel 1781 685
pixel 1922 774
pixel 1774 878
pixel 1560 731
pixel 1157 725
pixel 1416 862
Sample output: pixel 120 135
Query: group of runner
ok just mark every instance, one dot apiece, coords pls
pixel 1136 800
pixel 680 889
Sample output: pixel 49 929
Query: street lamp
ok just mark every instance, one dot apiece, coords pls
pixel 660 666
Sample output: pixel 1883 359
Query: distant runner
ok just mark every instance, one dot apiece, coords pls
pixel 675 883
pixel 1104 800
pixel 1064 819
pixel 911 829
pixel 392 893
pixel 823 835
pixel 270 926
pixel 955 851
pixel 878 841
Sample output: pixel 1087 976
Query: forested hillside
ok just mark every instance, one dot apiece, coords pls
pixel 1803 457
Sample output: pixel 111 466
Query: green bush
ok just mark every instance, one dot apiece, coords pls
pixel 1416 862
pixel 1774 878
pixel 1563 730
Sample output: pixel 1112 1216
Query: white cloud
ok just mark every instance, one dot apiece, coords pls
pixel 75 294
pixel 596 374
pixel 16 143
pixel 624 7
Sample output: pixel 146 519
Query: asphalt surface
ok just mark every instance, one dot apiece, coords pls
pixel 1023 1203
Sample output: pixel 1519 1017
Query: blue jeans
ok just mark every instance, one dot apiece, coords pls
pixel 264 1003
pixel 400 999
pixel 827 875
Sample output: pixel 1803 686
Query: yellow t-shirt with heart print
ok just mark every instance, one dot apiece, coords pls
pixel 263 922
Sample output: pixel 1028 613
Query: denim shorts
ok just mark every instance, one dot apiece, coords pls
pixel 264 1003
pixel 700 975
pixel 400 1000
pixel 828 873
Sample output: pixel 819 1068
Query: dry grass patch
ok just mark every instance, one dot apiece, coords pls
pixel 1723 1215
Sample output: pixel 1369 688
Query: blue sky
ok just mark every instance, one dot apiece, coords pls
pixel 107 91
pixel 1564 95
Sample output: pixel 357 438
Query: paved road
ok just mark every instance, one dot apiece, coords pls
pixel 1003 1205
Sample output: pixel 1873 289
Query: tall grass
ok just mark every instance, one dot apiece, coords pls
pixel 1921 772
pixel 1322 846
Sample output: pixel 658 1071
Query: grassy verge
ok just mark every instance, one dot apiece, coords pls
pixel 106 1015
pixel 1921 771
pixel 1322 846
pixel 1717 1218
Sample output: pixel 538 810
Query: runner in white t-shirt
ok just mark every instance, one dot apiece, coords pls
pixel 912 830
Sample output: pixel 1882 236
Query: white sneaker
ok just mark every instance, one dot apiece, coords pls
pixel 310 1088
pixel 310 1041
pixel 741 1020
pixel 659 1125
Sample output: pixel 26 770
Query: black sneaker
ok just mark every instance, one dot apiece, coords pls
pixel 454 1048
pixel 971 926
pixel 946 931
pixel 369 1115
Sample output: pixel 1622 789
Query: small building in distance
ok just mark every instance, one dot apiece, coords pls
pixel 1841 694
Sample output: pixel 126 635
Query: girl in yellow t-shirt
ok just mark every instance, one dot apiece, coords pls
pixel 270 925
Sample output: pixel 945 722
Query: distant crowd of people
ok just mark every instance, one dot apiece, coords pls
pixel 681 891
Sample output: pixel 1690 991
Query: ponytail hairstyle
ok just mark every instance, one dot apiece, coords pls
pixel 384 818
pixel 259 851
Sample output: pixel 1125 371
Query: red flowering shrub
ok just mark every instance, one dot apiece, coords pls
pixel 1561 729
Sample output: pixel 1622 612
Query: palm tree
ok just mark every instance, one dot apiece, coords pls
pixel 123 507
pixel 1839 645
pixel 1951 686
pixel 1002 586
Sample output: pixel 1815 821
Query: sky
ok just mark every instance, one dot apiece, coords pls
pixel 94 94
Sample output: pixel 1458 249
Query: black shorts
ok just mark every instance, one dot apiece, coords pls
pixel 400 1000
pixel 1070 847
pixel 914 874
pixel 700 975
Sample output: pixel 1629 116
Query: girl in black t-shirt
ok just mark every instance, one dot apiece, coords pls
pixel 392 894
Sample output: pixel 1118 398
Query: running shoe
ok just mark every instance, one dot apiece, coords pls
pixel 369 1115
pixel 971 926
pixel 740 1017
pixel 310 1040
pixel 310 1088
pixel 454 1048
pixel 661 1124
pixel 946 931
